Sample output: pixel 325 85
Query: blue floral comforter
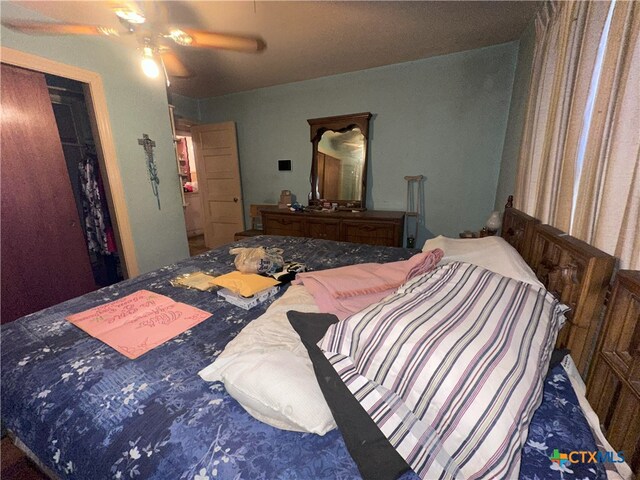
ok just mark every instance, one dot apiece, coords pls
pixel 88 412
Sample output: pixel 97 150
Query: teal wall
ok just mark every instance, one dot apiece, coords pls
pixel 136 105
pixel 185 106
pixel 443 117
pixel 513 137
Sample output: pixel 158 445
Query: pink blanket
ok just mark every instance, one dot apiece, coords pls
pixel 346 290
pixel 139 322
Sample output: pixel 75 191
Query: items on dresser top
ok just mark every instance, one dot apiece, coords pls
pixel 375 227
pixel 286 199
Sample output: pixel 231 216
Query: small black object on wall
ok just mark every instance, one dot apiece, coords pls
pixel 284 165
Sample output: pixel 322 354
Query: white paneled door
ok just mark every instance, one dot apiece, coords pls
pixel 216 150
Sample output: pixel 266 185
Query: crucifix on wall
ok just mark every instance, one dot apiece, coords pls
pixel 148 145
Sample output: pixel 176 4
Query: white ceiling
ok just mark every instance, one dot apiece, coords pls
pixel 313 39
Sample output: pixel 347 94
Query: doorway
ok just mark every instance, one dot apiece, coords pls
pixel 216 149
pixel 86 177
pixel 189 179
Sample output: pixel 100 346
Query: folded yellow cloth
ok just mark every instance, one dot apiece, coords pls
pixel 245 284
pixel 198 280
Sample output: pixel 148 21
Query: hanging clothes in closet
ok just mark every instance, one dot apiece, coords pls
pixel 99 231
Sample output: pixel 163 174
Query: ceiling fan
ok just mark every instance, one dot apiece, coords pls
pixel 156 39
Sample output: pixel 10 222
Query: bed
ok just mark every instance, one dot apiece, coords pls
pixel 85 411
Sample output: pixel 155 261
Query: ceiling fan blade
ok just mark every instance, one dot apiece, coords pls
pixel 128 11
pixel 202 38
pixel 174 66
pixel 48 28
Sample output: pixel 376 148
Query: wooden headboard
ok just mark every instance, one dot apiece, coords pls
pixel 604 347
pixel 613 389
pixel 579 275
pixel 518 229
pixel 574 271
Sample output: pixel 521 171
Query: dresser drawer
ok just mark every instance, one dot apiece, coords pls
pixel 287 225
pixel 327 229
pixel 372 227
pixel 373 233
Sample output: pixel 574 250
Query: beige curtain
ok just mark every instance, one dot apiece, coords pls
pixel 578 167
pixel 608 202
pixel 558 38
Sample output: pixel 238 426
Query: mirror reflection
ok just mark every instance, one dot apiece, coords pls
pixel 340 161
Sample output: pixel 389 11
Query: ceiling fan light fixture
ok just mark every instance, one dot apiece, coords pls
pixel 149 64
pixel 130 15
pixel 180 37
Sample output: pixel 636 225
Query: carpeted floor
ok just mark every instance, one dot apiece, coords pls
pixel 15 465
pixel 196 245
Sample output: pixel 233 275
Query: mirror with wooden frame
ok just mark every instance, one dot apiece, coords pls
pixel 339 162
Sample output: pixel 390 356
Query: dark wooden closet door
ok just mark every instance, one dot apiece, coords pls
pixel 44 254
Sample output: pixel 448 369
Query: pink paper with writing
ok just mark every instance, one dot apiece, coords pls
pixel 139 322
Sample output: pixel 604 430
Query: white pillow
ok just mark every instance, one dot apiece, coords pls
pixel 492 253
pixel 266 368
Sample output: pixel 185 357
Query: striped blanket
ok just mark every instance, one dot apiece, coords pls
pixel 451 368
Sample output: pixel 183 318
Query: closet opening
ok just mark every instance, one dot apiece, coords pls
pixel 86 178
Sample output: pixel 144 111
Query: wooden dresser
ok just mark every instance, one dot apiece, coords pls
pixel 375 227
